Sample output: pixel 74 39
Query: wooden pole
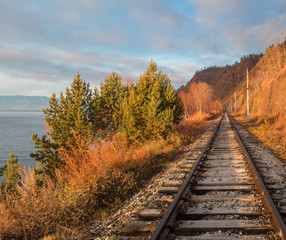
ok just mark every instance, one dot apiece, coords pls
pixel 247 94
pixel 235 103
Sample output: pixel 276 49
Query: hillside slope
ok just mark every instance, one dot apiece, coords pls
pixel 267 77
pixel 268 98
pixel 267 84
pixel 224 79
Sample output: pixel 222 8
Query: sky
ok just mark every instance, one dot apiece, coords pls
pixel 43 44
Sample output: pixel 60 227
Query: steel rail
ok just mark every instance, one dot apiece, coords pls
pixel 163 228
pixel 277 222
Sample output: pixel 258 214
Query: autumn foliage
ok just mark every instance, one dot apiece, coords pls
pixel 224 79
pixel 96 179
pixel 199 99
pixel 267 84
pixel 267 97
pixel 142 111
pixel 100 148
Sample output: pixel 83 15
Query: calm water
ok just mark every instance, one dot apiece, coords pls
pixel 16 129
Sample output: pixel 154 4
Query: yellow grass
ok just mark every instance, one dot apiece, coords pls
pixel 270 130
pixel 192 126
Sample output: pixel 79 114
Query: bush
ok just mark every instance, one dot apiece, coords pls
pixel 95 179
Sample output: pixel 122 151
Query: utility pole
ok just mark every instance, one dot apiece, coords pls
pixel 235 104
pixel 230 106
pixel 247 94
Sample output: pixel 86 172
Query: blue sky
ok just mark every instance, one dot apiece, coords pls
pixel 43 44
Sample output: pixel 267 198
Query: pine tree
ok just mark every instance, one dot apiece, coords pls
pixel 151 107
pixel 173 102
pixel 111 94
pixel 151 112
pixel 131 115
pixel 75 113
pixel 11 174
pixel 160 105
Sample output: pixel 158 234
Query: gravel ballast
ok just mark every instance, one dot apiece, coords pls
pixel 271 169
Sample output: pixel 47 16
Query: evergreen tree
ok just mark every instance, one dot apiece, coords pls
pixel 173 102
pixel 144 111
pixel 131 115
pixel 151 107
pixel 75 113
pixel 158 118
pixel 11 174
pixel 111 94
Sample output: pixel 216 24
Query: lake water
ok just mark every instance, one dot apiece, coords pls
pixel 16 129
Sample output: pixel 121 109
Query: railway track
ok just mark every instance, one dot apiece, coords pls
pixel 221 197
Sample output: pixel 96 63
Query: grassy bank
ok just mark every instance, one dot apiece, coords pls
pixel 96 179
pixel 269 130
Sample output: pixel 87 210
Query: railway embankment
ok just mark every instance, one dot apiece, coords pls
pixel 140 216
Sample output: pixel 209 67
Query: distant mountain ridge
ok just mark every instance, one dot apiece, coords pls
pixel 18 102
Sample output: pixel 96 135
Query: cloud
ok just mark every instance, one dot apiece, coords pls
pixel 255 38
pixel 125 65
pixel 209 13
pixel 51 67
pixel 47 42
pixel 188 68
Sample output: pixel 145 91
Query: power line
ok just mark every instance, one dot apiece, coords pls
pixel 274 24
pixel 280 36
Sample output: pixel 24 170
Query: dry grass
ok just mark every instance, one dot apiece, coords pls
pixel 269 130
pixel 194 125
pixel 95 180
pixel 32 214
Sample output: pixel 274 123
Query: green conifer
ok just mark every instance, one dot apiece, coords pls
pixel 75 113
pixel 11 174
pixel 151 107
pixel 111 94
pixel 131 115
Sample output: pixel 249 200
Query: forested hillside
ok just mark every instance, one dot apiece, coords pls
pixel 267 75
pixel 267 100
pixel 210 88
pixel 224 79
pixel 267 84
